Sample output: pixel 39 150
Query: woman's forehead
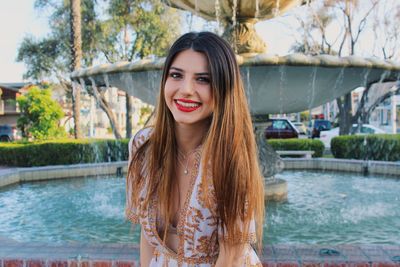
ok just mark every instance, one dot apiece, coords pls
pixel 190 61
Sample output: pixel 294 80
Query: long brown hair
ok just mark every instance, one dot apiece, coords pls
pixel 229 146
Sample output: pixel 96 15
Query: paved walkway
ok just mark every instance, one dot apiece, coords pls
pixel 10 249
pixel 15 254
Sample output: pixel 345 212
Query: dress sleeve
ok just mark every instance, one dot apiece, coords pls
pixel 240 236
pixel 132 210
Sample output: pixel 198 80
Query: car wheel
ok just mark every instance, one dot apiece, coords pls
pixel 4 138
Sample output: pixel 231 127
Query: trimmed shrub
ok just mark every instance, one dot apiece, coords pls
pixel 367 147
pixel 298 144
pixel 61 152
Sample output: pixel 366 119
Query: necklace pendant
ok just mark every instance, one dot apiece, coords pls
pixel 185 171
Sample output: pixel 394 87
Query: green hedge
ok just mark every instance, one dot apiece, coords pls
pixel 370 147
pixel 298 144
pixel 62 152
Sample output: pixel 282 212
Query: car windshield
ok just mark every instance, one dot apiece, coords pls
pixel 323 125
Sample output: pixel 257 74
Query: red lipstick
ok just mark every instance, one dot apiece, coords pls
pixel 185 108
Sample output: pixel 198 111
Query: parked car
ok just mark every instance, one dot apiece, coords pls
pixel 327 136
pixel 315 127
pixel 301 128
pixel 7 133
pixel 280 128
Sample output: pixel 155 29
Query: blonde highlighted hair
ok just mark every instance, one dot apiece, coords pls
pixel 229 147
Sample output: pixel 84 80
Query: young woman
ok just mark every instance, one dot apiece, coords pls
pixel 193 182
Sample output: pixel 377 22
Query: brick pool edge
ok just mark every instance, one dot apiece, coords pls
pixel 15 254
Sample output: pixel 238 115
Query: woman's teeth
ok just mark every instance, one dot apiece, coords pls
pixel 187 105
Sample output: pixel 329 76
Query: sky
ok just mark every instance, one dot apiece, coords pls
pixel 20 19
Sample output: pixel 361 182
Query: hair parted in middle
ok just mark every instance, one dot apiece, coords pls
pixel 229 147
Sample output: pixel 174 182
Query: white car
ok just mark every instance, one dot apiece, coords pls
pixel 300 127
pixel 326 136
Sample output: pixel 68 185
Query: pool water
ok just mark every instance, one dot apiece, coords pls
pixel 322 208
pixel 335 208
pixel 89 210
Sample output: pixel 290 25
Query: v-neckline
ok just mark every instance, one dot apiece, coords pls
pixel 182 216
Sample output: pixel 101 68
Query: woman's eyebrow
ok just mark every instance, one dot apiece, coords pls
pixel 175 68
pixel 202 74
pixel 197 74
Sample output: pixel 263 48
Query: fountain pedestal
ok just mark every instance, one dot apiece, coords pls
pixel 270 164
pixel 275 189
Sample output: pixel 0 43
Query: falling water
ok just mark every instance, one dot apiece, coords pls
pixel 196 8
pixel 106 80
pixel 276 10
pixel 257 9
pixel 234 11
pixel 218 14
pixel 127 80
pixel 249 89
pixel 96 149
pixel 152 77
pixel 311 95
pixel 282 80
pixel 190 15
pixel 338 84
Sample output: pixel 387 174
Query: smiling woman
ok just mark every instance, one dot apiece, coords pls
pixel 193 182
pixel 187 88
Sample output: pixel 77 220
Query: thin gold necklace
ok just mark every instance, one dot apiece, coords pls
pixel 182 157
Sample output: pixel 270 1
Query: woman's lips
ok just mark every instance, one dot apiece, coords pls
pixel 186 105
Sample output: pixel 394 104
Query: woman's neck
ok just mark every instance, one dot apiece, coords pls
pixel 189 137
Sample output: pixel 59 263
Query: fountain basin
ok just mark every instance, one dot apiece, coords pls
pixel 273 84
pixel 91 210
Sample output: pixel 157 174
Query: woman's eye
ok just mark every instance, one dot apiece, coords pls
pixel 175 75
pixel 203 79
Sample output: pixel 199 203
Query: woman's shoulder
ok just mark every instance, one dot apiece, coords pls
pixel 139 139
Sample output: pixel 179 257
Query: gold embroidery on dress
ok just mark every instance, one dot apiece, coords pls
pixel 197 224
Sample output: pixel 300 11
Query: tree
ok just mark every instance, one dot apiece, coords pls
pixel 40 115
pixel 351 17
pixel 128 32
pixel 53 57
pixel 76 55
pixel 131 32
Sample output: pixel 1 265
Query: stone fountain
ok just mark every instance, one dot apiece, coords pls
pixel 273 84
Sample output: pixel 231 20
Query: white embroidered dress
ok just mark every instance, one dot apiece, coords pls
pixel 197 227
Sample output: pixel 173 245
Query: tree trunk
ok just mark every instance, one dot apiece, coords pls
pixel 345 116
pixel 106 108
pixel 128 116
pixel 76 52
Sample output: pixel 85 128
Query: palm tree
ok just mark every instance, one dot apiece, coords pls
pixel 76 55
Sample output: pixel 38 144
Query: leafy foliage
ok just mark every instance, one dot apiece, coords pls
pixel 50 56
pixel 369 147
pixel 298 144
pixel 61 152
pixel 40 115
pixel 134 27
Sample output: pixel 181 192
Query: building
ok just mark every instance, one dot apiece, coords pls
pixel 9 111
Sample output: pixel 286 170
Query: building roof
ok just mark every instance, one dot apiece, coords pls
pixel 13 86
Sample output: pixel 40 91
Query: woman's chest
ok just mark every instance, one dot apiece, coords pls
pixel 197 230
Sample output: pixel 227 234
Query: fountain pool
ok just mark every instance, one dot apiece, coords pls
pixel 322 208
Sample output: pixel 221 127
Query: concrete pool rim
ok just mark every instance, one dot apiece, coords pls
pixel 9 176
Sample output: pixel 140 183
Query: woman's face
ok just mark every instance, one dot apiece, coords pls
pixel 187 90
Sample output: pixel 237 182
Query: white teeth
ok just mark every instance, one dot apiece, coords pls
pixel 187 105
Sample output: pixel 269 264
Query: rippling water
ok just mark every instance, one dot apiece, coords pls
pixel 335 208
pixel 322 208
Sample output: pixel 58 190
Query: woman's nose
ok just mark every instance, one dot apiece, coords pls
pixel 187 87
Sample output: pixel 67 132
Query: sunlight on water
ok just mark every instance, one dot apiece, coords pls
pixel 332 208
pixel 322 208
